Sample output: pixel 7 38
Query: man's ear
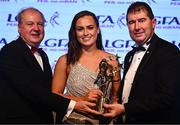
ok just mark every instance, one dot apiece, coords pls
pixel 154 23
pixel 19 28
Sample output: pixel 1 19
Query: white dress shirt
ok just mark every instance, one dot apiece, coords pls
pixel 39 59
pixel 129 78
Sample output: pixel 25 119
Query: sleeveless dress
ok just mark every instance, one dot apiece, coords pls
pixel 80 81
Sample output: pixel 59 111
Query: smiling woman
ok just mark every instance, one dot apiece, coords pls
pixel 86 31
pixel 78 69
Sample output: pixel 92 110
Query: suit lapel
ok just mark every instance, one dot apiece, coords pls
pixel 46 65
pixel 147 55
pixel 128 61
pixel 144 61
pixel 28 56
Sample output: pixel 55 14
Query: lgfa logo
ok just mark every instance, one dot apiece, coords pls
pixel 121 21
pixel 168 22
pixel 12 19
pixel 53 19
pixel 107 21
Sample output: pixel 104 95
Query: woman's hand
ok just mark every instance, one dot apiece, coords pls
pixel 93 95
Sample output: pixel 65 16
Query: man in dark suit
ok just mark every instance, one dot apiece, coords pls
pixel 150 90
pixel 25 77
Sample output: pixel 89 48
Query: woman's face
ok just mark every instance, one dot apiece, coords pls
pixel 86 31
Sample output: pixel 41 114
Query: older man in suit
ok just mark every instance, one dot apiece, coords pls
pixel 150 86
pixel 25 77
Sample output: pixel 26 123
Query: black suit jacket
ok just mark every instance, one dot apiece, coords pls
pixel 25 89
pixel 155 92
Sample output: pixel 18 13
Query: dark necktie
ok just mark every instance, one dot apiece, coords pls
pixel 139 48
pixel 34 49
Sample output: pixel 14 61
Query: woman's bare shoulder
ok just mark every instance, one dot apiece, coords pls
pixel 62 58
pixel 108 55
pixel 62 61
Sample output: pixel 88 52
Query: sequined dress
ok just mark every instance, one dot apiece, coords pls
pixel 79 82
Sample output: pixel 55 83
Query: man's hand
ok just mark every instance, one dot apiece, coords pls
pixel 113 110
pixel 86 107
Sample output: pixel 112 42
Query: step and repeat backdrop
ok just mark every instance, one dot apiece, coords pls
pixel 110 13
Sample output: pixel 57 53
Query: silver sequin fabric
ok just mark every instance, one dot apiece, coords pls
pixel 80 80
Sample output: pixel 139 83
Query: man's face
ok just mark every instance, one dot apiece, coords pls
pixel 140 26
pixel 31 28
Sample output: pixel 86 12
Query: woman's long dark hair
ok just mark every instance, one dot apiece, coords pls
pixel 74 47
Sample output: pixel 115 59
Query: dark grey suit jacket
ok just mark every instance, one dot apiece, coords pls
pixel 25 90
pixel 155 92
